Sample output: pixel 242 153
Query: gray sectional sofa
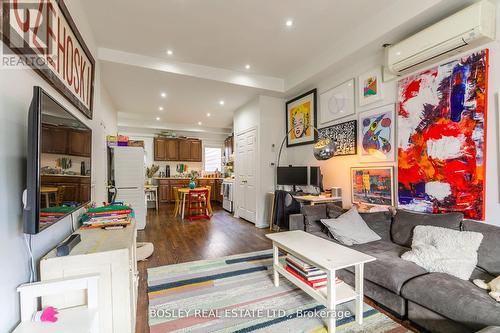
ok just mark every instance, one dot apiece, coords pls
pixel 436 302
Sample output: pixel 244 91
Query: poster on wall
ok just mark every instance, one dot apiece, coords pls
pixel 376 135
pixel 370 87
pixel 41 35
pixel 343 135
pixel 337 102
pixel 442 137
pixel 373 186
pixel 301 119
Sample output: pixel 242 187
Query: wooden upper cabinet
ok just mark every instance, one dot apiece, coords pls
pixel 54 140
pixel 172 149
pixel 79 143
pixel 195 155
pixel 184 150
pixel 160 149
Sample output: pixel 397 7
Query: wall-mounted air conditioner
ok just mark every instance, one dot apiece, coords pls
pixel 466 29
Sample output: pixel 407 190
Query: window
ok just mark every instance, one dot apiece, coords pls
pixel 213 159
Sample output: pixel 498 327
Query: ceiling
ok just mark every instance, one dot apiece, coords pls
pixel 212 41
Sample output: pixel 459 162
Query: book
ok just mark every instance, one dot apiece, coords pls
pixel 300 263
pixel 108 213
pixel 308 273
pixel 315 278
pixel 311 284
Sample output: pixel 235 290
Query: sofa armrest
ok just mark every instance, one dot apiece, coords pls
pixel 490 329
pixel 296 222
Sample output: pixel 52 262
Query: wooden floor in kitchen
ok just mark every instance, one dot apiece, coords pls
pixel 177 241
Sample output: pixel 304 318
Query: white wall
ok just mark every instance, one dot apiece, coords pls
pixel 336 171
pixel 16 88
pixel 267 115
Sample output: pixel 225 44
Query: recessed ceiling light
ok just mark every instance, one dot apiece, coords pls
pixel 163 94
pixel 160 108
pixel 170 52
pixel 221 102
pixel 158 118
pixel 199 123
pixel 289 22
pixel 247 66
pixel 208 114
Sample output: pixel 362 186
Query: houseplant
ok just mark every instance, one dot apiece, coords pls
pixel 150 172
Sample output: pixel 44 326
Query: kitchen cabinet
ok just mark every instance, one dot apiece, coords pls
pixel 76 189
pixel 66 141
pixel 79 143
pixel 181 150
pixel 167 186
pixel 217 193
pixel 164 191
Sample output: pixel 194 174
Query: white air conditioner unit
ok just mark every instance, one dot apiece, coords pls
pixel 464 30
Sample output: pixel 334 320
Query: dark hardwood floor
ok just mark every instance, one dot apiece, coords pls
pixel 177 241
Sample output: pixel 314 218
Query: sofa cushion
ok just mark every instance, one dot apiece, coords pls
pixel 312 217
pixel 334 210
pixel 380 222
pixel 489 251
pixel 456 299
pixel 404 222
pixel 389 270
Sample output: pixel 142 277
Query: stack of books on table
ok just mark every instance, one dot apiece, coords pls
pixel 112 216
pixel 310 275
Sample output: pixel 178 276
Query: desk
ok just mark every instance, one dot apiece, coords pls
pixel 46 191
pixel 315 199
pixel 154 190
pixel 184 191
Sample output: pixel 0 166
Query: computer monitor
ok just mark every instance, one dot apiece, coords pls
pixel 315 177
pixel 292 176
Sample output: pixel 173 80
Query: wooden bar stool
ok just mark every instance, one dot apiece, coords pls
pixel 177 199
pixel 198 204
pixel 209 203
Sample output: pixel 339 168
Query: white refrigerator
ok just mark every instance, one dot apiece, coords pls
pixel 127 175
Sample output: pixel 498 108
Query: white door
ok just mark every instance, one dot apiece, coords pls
pixel 246 165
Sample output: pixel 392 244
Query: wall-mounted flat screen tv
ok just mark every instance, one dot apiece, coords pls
pixel 59 160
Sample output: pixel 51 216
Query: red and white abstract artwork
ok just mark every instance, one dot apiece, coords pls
pixel 442 138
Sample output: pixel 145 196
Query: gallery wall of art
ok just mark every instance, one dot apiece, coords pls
pixel 338 170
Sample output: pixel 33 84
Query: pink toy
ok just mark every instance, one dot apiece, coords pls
pixel 46 315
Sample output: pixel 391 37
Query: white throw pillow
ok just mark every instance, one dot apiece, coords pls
pixel 350 228
pixel 444 250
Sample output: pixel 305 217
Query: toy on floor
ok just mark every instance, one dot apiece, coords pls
pixel 46 315
pixel 493 286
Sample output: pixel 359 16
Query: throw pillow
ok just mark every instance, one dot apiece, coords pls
pixel 312 217
pixel 444 250
pixel 349 228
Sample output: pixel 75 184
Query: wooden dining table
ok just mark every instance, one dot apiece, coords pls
pixel 184 192
pixel 46 191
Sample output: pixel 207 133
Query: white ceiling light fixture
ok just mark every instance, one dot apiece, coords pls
pixel 247 66
pixel 208 114
pixel 289 23
pixel 170 52
pixel 160 108
pixel 221 102
pixel 158 118
pixel 163 95
pixel 199 123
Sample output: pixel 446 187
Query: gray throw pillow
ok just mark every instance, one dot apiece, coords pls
pixel 349 228
pixel 312 217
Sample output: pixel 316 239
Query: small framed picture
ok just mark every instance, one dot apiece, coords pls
pixel 370 87
pixel 376 135
pixel 337 102
pixel 373 186
pixel 301 119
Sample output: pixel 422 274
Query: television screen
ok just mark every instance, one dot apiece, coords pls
pixel 292 176
pixel 59 161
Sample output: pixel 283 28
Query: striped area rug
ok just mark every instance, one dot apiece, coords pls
pixel 236 294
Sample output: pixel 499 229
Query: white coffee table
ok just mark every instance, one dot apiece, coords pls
pixel 328 256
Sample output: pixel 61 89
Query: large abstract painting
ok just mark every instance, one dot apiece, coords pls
pixel 376 135
pixel 344 136
pixel 442 139
pixel 372 186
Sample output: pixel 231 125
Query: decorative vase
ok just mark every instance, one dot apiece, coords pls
pixel 192 184
pixel 150 181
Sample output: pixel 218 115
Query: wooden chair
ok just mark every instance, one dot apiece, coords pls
pixel 197 204
pixel 60 195
pixel 177 199
pixel 79 319
pixel 209 204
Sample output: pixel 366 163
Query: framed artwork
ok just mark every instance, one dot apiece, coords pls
pixel 300 116
pixel 370 87
pixel 376 135
pixel 344 135
pixel 372 186
pixel 337 102
pixel 442 137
